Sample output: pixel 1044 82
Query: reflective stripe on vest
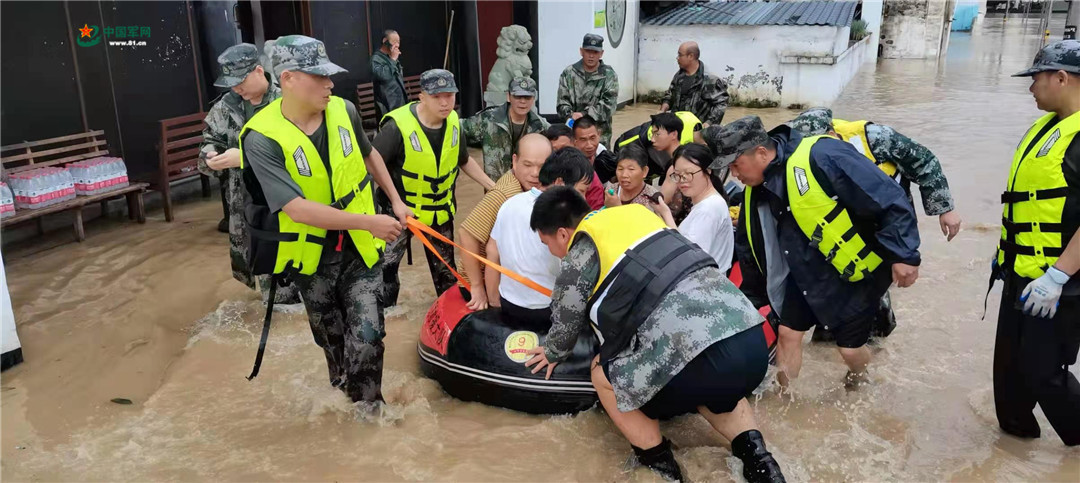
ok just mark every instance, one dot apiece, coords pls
pixel 747 208
pixel 854 132
pixel 1035 198
pixel 428 185
pixel 825 221
pixel 350 189
pixel 615 230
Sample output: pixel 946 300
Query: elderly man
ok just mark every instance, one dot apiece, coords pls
pixel 498 129
pixel 695 89
pixel 387 75
pixel 532 152
pixel 590 87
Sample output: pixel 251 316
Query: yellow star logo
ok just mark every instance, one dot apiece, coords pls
pixel 86 31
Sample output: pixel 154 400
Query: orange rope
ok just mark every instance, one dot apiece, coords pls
pixel 418 229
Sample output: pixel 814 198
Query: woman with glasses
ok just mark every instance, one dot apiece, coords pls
pixel 709 222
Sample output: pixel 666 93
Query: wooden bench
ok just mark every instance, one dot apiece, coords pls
pixel 59 151
pixel 178 156
pixel 365 102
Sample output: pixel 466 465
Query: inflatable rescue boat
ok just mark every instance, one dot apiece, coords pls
pixel 480 356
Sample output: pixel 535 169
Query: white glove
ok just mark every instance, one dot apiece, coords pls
pixel 1041 296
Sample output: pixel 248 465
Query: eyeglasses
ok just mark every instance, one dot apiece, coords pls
pixel 684 177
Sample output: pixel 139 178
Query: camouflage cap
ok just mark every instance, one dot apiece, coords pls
pixel 815 121
pixel 1061 55
pixel 735 138
pixel 593 42
pixel 522 87
pixel 302 53
pixel 437 81
pixel 236 63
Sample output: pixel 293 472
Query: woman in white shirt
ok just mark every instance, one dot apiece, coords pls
pixel 709 222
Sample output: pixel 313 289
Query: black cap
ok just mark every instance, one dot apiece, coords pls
pixel 593 42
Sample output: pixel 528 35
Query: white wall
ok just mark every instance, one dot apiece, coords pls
pixel 748 57
pixel 813 81
pixel 871 13
pixel 562 25
pixel 912 29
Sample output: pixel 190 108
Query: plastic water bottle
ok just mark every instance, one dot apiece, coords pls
pixel 7 201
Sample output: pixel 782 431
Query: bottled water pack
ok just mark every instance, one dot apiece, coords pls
pixel 41 187
pixel 98 175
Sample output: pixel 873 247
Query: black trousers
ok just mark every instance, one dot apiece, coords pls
pixel 535 319
pixel 1031 360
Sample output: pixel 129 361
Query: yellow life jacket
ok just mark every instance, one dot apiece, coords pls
pixel 641 260
pixel 428 184
pixel 691 123
pixel 1032 228
pixel 347 186
pixel 825 221
pixel 854 133
pixel 615 230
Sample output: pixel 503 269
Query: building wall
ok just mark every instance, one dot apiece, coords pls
pixel 121 86
pixel 561 26
pixel 818 81
pixel 747 57
pixel 872 13
pixel 912 29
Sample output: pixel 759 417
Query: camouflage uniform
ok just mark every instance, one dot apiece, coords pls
pixel 595 94
pixel 347 322
pixel 490 129
pixel 915 161
pixel 227 115
pixel 703 94
pixel 702 308
pixel 342 296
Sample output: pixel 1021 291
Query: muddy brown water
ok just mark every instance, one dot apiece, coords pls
pixel 150 313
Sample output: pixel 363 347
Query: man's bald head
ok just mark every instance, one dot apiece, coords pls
pixel 532 150
pixel 689 53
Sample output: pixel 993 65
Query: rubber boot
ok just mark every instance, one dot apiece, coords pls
pixel 223 225
pixel 661 460
pixel 759 466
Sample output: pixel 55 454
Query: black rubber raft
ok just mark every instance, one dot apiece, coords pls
pixel 480 356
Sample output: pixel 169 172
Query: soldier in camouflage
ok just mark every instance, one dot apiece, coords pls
pixel 914 162
pixel 590 87
pixel 695 89
pixel 498 128
pixel 250 89
pixel 703 348
pixel 342 295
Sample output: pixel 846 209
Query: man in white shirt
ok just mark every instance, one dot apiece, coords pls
pixel 514 245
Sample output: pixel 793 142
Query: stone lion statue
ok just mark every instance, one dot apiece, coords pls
pixel 513 61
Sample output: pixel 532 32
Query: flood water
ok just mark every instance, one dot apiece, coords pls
pixel 150 313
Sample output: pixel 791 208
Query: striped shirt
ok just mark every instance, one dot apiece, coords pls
pixel 482 219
